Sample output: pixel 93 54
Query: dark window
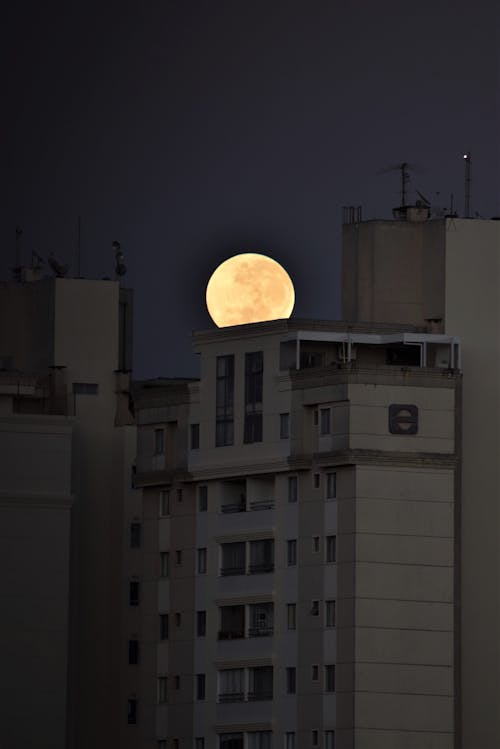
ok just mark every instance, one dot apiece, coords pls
pixel 291 679
pixel 231 741
pixel 315 546
pixel 177 681
pixel 163 626
pixel 233 558
pixel 325 421
pixel 195 436
pixel 199 743
pixel 291 616
pixel 162 689
pixel 261 619
pixel 330 678
pixel 165 502
pixel 135 535
pixel 330 613
pixel 315 417
pixel 132 711
pixel 133 652
pixel 85 388
pixel 315 672
pixel 133 593
pixel 331 485
pixel 329 739
pixel 284 426
pixel 404 356
pixel 201 623
pixel 164 564
pixel 315 608
pixel 261 556
pixel 232 622
pixel 331 548
pixel 254 370
pixel 179 495
pixel 159 441
pixel 202 498
pixel 315 737
pixel 316 480
pixel 202 561
pixel 292 488
pixel 291 552
pixel 260 683
pixel 224 401
pixel 178 556
pixel 200 686
pixel 178 619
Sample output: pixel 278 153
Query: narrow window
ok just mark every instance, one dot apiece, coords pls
pixel 135 535
pixel 163 626
pixel 291 678
pixel 330 613
pixel 325 421
pixel 284 426
pixel 164 502
pixel 202 499
pixel 177 681
pixel 331 548
pixel 331 485
pixel 132 711
pixel 254 370
pixel 178 619
pixel 201 623
pixel 316 480
pixel 164 564
pixel 292 488
pixel 195 436
pixel 202 561
pixel 314 737
pixel 329 739
pixel 315 672
pixel 291 610
pixel 199 743
pixel 175 744
pixel 178 556
pixel 315 608
pixel 291 555
pixel 224 401
pixel 179 495
pixel 133 652
pixel 159 441
pixel 200 686
pixel 330 678
pixel 161 744
pixel 290 740
pixel 315 544
pixel 133 594
pixel 162 689
pixel 315 417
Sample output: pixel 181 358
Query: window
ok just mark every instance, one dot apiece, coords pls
pixel 316 480
pixel 159 441
pixel 133 652
pixel 314 737
pixel 195 436
pixel 178 619
pixel 202 499
pixel 175 744
pixel 254 369
pixel 330 613
pixel 284 426
pixel 202 561
pixel 161 744
pixel 331 548
pixel 260 683
pixel 164 563
pixel 163 626
pixel 177 681
pixel 291 552
pixel 291 680
pixel 261 619
pixel 329 739
pixel 315 608
pixel 85 388
pixel 135 535
pixel 201 623
pixel 315 417
pixel 315 544
pixel 200 686
pixel 325 421
pixel 315 672
pixel 291 616
pixel 162 689
pixel 178 556
pixel 165 502
pixel 261 556
pixel 331 485
pixel 289 740
pixel 330 678
pixel 224 401
pixel 232 622
pixel 260 739
pixel 179 495
pixel 133 593
pixel 231 741
pixel 132 711
pixel 233 559
pixel 232 685
pixel 199 743
pixel 292 488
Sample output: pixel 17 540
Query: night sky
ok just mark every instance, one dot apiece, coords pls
pixel 192 130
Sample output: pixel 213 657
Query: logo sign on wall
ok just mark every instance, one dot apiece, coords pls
pixel 403 419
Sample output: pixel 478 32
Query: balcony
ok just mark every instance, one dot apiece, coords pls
pixel 261 632
pixel 232 697
pixel 260 696
pixel 259 569
pixel 227 571
pixel 228 634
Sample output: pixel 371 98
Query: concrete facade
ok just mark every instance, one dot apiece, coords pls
pixel 311 587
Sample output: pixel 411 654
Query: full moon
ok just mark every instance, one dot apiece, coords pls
pixel 249 288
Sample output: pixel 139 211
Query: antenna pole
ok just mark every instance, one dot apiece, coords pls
pixel 79 248
pixel 19 234
pixel 467 160
pixel 404 180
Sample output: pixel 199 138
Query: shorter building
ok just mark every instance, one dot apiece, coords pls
pixel 297 583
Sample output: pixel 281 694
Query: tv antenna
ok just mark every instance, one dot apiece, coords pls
pixel 59 269
pixel 404 168
pixel 120 267
pixel 467 161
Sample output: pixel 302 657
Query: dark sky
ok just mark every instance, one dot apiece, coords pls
pixel 191 130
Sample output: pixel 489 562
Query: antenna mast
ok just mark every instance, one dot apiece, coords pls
pixel 79 248
pixel 405 177
pixel 467 159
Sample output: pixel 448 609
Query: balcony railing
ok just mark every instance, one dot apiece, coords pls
pixel 232 697
pixel 260 631
pixel 231 634
pixel 240 570
pixel 262 694
pixel 257 569
pixel 262 504
pixel 234 507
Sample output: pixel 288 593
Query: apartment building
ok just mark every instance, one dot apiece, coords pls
pixel 301 505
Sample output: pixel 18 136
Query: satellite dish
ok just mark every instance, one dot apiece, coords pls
pixel 59 269
pixel 120 267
